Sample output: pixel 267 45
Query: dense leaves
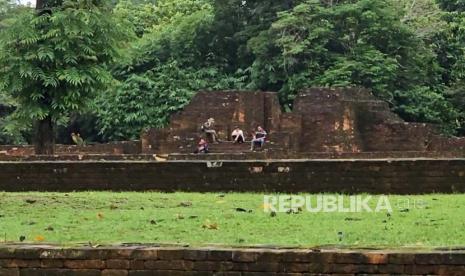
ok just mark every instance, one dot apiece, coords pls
pixel 52 64
pixel 410 53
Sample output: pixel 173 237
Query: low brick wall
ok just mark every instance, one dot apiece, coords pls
pixel 396 176
pixel 121 147
pixel 140 260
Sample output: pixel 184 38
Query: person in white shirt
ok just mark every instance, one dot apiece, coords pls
pixel 238 135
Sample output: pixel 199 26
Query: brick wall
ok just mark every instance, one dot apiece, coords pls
pixel 323 120
pixel 18 260
pixel 397 176
pixel 121 147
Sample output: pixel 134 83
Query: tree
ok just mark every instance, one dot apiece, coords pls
pixel 351 43
pixel 52 62
pixel 166 67
pixel 452 5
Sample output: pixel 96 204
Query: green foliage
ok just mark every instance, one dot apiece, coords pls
pixel 449 45
pixel 167 66
pixel 148 15
pixel 411 53
pixel 452 5
pixel 423 16
pixel 145 100
pixel 354 43
pixel 51 65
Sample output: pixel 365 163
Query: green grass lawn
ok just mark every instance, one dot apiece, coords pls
pixel 201 219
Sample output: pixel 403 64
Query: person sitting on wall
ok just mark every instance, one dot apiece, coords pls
pixel 202 147
pixel 207 127
pixel 77 139
pixel 238 136
pixel 258 138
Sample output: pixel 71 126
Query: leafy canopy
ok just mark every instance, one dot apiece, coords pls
pixel 52 64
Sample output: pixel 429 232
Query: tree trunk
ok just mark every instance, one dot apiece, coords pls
pixel 39 4
pixel 45 137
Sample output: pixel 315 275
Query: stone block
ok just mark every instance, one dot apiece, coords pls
pixel 114 272
pixel 84 264
pixel 117 264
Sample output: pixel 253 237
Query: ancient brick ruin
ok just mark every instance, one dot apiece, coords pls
pixel 324 120
pixel 326 123
pixel 335 140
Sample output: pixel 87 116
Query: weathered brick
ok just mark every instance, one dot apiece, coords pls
pixel 297 267
pixel 440 258
pixel 454 259
pixel 19 263
pixel 244 256
pixel 85 253
pixel 428 258
pixel 213 266
pixel 458 270
pixel 58 272
pixel 165 272
pixel 309 256
pixel 51 263
pixel 9 271
pixel 348 258
pixel 219 255
pixel 27 252
pixel 421 269
pixel 195 255
pixel 7 263
pixel 353 268
pixel 125 252
pixel 376 258
pixel 114 272
pixel 401 258
pixel 169 265
pixel 117 264
pixel 145 253
pixel 84 264
pixel 226 273
pixel 7 252
pixel 391 268
pixel 265 267
pixel 171 254
pixel 258 274
pixel 272 256
pixel 136 264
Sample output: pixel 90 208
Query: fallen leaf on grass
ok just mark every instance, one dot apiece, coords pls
pixel 39 238
pixel 100 215
pixel 209 225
